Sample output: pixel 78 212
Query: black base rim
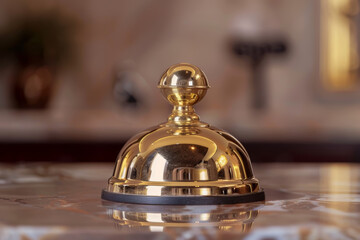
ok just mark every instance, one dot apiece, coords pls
pixel 183 200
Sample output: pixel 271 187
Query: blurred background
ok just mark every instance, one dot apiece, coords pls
pixel 78 78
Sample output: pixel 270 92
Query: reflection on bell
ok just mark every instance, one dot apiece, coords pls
pixel 238 218
pixel 183 161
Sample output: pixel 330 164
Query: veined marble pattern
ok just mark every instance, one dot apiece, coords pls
pixel 62 201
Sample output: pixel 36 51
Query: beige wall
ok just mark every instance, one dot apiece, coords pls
pixel 155 34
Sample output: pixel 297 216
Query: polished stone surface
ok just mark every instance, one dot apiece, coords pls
pixel 62 201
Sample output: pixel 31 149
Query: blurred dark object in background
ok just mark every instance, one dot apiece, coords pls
pixel 256 52
pixel 130 90
pixel 32 86
pixel 37 45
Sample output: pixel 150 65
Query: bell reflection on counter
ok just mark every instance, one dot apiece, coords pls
pixel 160 218
pixel 183 161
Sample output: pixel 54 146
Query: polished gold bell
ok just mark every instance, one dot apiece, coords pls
pixel 184 160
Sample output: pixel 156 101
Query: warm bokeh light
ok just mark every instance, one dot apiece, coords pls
pixel 339 44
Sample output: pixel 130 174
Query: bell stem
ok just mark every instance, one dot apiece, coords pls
pixel 184 115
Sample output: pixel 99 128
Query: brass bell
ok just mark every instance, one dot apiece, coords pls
pixel 184 160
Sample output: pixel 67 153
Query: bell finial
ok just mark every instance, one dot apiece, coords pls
pixel 183 85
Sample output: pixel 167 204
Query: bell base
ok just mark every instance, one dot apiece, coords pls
pixel 183 200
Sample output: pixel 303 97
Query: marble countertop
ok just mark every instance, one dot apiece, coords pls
pixel 62 201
